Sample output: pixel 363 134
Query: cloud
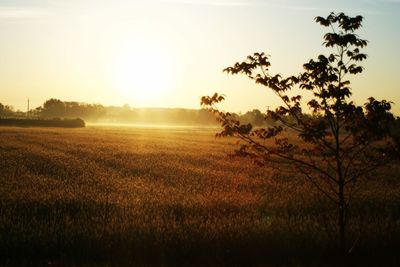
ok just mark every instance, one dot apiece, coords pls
pixel 242 3
pixel 20 13
pixel 391 1
pixel 226 3
pixel 299 8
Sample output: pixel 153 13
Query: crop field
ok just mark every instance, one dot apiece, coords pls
pixel 140 196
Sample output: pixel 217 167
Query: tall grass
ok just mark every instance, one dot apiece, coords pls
pixel 138 196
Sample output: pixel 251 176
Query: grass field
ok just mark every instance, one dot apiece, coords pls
pixel 171 196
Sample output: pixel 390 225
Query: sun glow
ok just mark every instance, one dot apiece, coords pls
pixel 143 72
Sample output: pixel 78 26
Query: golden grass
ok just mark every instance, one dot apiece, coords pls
pixel 159 195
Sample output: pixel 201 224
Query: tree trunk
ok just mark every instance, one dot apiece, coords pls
pixel 342 219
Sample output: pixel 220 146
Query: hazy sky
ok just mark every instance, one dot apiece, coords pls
pixel 168 53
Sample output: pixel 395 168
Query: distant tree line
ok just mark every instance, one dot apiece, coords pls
pixel 55 108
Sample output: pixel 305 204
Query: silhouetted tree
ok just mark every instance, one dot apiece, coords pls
pixel 1 110
pixel 344 141
pixel 255 117
pixel 5 110
pixel 57 108
pixel 53 108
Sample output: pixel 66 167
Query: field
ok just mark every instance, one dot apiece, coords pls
pixel 173 197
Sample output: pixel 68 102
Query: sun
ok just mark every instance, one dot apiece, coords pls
pixel 142 72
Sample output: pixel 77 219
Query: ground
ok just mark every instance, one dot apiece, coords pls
pixel 173 196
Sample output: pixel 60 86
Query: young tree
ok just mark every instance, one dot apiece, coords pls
pixel 342 141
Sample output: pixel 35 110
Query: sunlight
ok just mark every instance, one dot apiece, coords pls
pixel 142 72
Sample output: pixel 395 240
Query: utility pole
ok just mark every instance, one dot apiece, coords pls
pixel 27 112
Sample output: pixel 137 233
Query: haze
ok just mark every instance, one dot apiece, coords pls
pixel 168 53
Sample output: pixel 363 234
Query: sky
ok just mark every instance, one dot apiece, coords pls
pixel 169 53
